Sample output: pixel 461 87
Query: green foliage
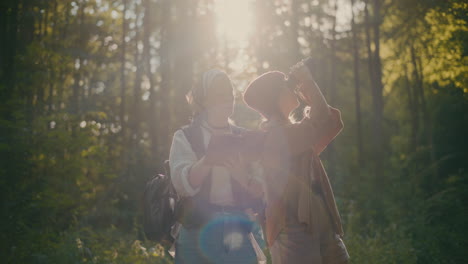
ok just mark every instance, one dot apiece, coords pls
pixel 84 121
pixel 391 245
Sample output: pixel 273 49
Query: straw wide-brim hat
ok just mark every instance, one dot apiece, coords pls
pixel 263 92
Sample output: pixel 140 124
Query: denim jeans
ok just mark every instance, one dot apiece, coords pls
pixel 222 240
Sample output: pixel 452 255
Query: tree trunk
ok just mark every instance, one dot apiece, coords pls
pixel 60 96
pixel 427 122
pixel 4 32
pixel 75 101
pixel 165 83
pixel 331 153
pixel 370 60
pixel 375 73
pixel 357 93
pixel 123 95
pixel 296 53
pixel 52 70
pixel 153 116
pixel 8 47
pixel 378 88
pixel 416 98
pixel 77 76
pixel 135 116
pixel 412 112
pixel 183 64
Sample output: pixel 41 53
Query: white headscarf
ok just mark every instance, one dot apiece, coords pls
pixel 208 78
pixel 198 92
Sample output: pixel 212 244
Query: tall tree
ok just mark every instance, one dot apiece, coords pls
pixel 183 61
pixel 165 69
pixel 332 93
pixel 296 14
pixel 378 92
pixel 153 117
pixel 138 64
pixel 412 110
pixel 357 92
pixel 123 84
pixel 375 75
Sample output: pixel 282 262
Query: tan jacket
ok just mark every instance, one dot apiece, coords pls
pixel 291 161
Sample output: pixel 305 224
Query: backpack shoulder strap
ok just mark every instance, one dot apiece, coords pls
pixel 194 136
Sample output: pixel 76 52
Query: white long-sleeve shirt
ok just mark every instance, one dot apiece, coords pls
pixel 182 158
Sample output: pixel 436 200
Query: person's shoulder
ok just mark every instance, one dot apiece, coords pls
pixel 179 133
pixel 184 127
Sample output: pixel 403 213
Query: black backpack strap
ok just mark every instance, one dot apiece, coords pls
pixel 194 136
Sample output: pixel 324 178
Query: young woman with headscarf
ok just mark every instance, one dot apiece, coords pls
pixel 216 187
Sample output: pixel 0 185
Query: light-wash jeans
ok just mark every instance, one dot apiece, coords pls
pixel 222 241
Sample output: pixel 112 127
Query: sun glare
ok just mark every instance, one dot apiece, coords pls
pixel 233 19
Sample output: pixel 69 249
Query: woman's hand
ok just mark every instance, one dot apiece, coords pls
pixel 198 172
pixel 301 72
pixel 309 91
pixel 238 168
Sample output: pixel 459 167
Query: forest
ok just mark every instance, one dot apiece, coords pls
pixel 92 91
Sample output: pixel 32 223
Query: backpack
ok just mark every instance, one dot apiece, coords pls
pixel 161 203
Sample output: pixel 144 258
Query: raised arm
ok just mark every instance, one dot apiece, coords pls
pixel 310 93
pixel 324 118
pixel 316 130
